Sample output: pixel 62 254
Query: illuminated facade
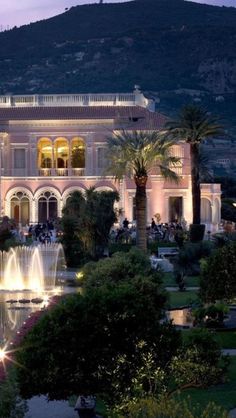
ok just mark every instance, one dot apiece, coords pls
pixel 52 145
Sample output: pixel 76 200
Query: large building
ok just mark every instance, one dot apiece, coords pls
pixel 51 145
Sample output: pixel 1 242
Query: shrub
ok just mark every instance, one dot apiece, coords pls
pixel 224 238
pixel 211 316
pixel 199 362
pixel 170 408
pixel 218 275
pixel 119 267
pixel 11 405
pixel 188 260
pixel 118 247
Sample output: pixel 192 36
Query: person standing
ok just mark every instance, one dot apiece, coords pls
pixel 153 224
pixel 125 223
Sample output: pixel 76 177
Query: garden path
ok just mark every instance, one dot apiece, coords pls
pixel 229 351
pixel 176 289
pixel 232 413
pixel 39 407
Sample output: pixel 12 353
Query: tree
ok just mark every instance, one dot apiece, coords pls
pixel 199 362
pixel 72 214
pixel 193 125
pixel 218 275
pixel 228 209
pixel 135 153
pixel 88 344
pixel 87 220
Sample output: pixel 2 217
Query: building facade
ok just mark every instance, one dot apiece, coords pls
pixel 52 145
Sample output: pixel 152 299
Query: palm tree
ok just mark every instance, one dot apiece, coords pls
pixel 193 125
pixel 135 153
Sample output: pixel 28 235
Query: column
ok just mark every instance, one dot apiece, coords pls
pixel 148 204
pixel 33 163
pixel 60 207
pixel 166 210
pixel 129 212
pixel 54 165
pixel 89 169
pixel 1 170
pixel 69 157
pixel 122 196
pixel 33 211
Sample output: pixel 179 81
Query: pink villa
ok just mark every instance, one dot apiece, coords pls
pixel 54 144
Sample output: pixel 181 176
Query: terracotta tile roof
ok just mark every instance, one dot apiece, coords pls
pixel 134 116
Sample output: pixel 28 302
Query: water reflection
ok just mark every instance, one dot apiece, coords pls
pixel 15 307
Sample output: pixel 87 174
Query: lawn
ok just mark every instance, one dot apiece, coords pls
pixel 224 395
pixel 169 280
pixel 178 299
pixel 227 339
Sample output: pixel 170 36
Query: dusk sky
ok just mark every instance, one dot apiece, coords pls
pixel 19 12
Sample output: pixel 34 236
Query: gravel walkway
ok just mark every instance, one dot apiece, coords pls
pixel 229 351
pixel 232 413
pixel 39 407
pixel 176 289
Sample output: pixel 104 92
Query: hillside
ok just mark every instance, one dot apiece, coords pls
pixel 172 48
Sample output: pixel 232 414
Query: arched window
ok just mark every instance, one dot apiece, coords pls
pixel 61 152
pixel 20 208
pixel 45 153
pixel 47 207
pixel 70 191
pixel 77 153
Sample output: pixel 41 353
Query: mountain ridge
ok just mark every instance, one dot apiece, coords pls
pixel 171 48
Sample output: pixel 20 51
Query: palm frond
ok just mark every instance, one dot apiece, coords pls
pixel 169 174
pixel 194 124
pixel 137 152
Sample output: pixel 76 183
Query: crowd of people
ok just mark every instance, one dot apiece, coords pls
pixel 155 232
pixel 166 231
pixel 43 233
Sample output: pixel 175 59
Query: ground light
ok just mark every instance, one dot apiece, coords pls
pixel 2 354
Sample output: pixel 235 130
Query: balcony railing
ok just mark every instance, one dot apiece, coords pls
pixel 97 99
pixel 61 172
pixel 45 172
pixel 211 187
pixel 77 171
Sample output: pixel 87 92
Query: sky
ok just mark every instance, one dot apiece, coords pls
pixel 20 12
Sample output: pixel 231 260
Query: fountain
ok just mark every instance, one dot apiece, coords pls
pixel 28 278
pixel 31 268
